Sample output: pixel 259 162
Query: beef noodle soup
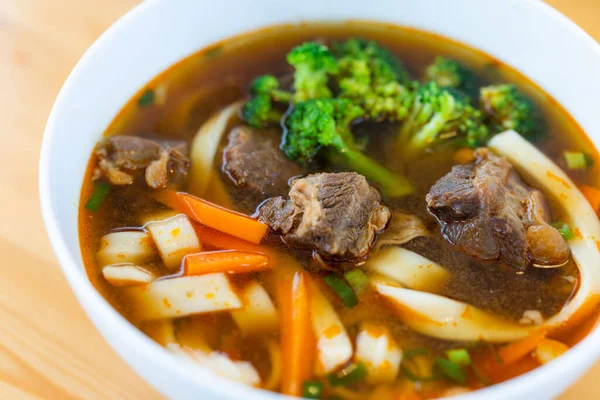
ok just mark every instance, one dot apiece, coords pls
pixel 354 211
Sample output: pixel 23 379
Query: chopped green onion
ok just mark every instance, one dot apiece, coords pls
pixel 96 199
pixel 451 370
pixel 348 375
pixel 147 98
pixel 413 376
pixel 459 356
pixel 357 279
pixel 410 368
pixel 417 351
pixel 312 390
pixel 342 289
pixel 564 229
pixel 575 159
pixel 589 160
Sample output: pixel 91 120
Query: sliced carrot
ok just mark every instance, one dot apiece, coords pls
pixel 524 365
pixel 592 195
pixel 514 351
pixel 297 342
pixel 214 216
pixel 509 360
pixel 227 261
pixel 216 240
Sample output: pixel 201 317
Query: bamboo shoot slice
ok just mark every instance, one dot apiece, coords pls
pixel 174 237
pixel 379 352
pixel 220 364
pixel 258 314
pixel 125 246
pixel 126 274
pixel 183 296
pixel 333 344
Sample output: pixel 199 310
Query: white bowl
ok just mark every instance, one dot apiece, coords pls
pixel 526 34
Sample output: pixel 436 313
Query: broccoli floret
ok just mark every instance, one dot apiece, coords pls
pixel 260 110
pixel 505 107
pixel 374 78
pixel 386 66
pixel 324 125
pixel 448 73
pixel 313 63
pixel 437 115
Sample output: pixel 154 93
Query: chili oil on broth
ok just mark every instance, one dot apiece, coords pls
pixel 185 96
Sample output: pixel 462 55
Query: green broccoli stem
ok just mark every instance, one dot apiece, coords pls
pixel 281 96
pixel 391 184
pixel 428 133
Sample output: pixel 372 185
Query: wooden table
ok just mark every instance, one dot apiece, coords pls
pixel 48 348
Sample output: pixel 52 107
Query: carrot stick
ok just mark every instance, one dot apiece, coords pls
pixel 514 351
pixel 221 241
pixel 296 334
pixel 214 216
pixel 233 262
pixel 501 373
pixel 592 195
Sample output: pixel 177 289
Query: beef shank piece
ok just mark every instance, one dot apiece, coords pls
pixel 486 210
pixel 255 164
pixel 122 158
pixel 335 214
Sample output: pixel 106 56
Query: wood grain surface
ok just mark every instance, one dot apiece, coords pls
pixel 48 347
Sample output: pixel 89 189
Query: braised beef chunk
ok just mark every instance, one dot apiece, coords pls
pixel 253 161
pixel 335 214
pixel 486 210
pixel 122 158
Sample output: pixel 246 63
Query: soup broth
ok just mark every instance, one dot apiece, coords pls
pixel 178 102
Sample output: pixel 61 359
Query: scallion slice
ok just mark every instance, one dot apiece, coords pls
pixel 357 279
pixel 451 370
pixel 348 375
pixel 564 229
pixel 459 357
pixel 342 289
pixel 147 98
pixel 411 368
pixel 417 351
pixel 575 159
pixel 97 197
pixel 312 390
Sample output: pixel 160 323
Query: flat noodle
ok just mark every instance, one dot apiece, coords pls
pixel 445 318
pixel 205 146
pixel 402 229
pixel 272 382
pixel 579 214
